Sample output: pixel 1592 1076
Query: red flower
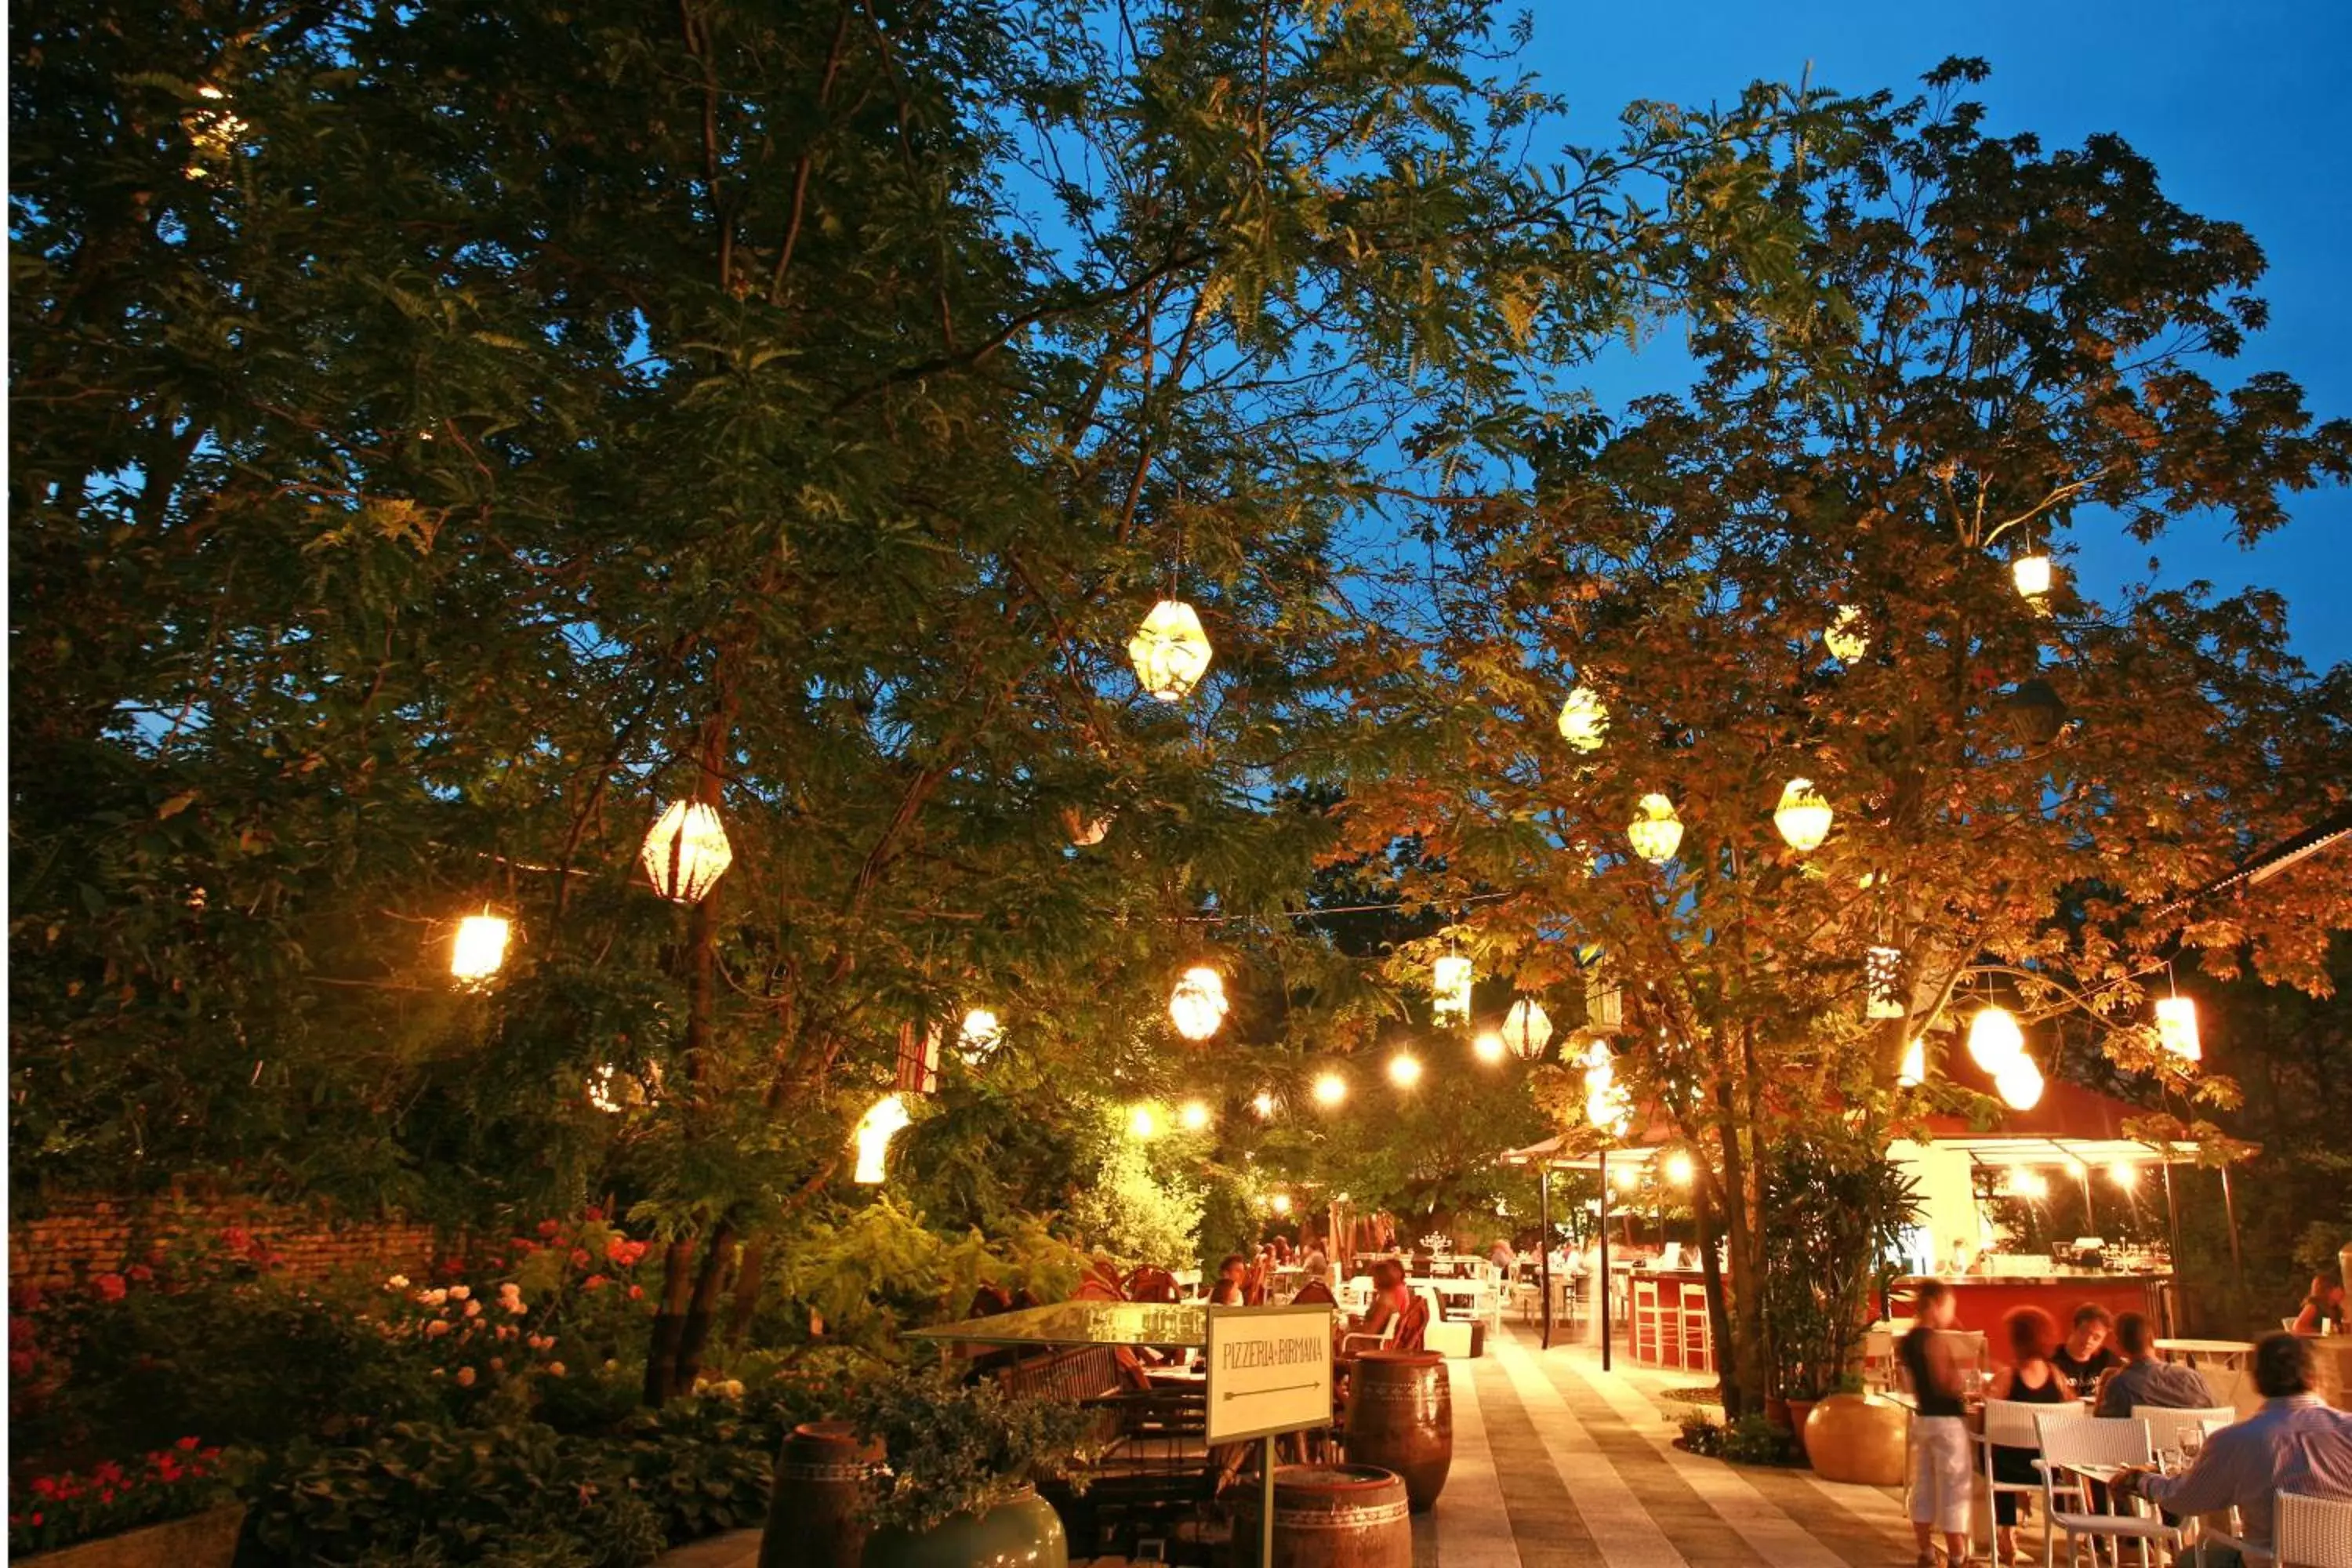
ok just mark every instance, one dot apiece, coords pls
pixel 637 1292
pixel 110 1287
pixel 595 1213
pixel 237 1239
pixel 186 1445
pixel 550 1227
pixel 37 1518
pixel 579 1259
pixel 45 1485
pixel 140 1272
pixel 595 1282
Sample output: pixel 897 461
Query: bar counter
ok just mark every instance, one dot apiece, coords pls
pixel 1985 1299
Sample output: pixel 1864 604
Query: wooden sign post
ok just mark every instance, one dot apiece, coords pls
pixel 1269 1372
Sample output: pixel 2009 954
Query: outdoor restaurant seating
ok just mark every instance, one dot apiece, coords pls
pixel 2313 1532
pixel 2013 1424
pixel 2168 1426
pixel 2094 1448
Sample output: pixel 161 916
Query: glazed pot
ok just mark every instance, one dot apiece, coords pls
pixel 1856 1438
pixel 812 1519
pixel 1401 1419
pixel 1327 1516
pixel 1022 1533
pixel 206 1540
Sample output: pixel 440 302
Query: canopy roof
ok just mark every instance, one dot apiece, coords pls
pixel 1548 1154
pixel 1178 1327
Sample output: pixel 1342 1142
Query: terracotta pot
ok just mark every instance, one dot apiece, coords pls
pixel 206 1540
pixel 813 1513
pixel 1022 1533
pixel 1401 1419
pixel 1855 1437
pixel 1798 1410
pixel 1329 1516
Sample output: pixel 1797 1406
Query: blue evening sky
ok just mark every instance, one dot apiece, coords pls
pixel 2238 103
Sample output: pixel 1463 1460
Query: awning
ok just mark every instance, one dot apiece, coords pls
pixel 1547 1155
pixel 1160 1327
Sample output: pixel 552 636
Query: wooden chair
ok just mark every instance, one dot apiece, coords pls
pixel 1697 1330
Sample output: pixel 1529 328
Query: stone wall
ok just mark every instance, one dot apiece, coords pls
pixel 72 1241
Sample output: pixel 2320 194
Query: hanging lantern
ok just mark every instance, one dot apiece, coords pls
pixel 1086 831
pixel 1584 720
pixel 2019 1083
pixel 1846 637
pixel 1527 1028
pixel 481 950
pixel 1194 1116
pixel 1170 651
pixel 1656 833
pixel 1488 1047
pixel 1404 1069
pixel 1994 1040
pixel 918 1059
pixel 883 1122
pixel 687 852
pixel 1914 1070
pixel 1330 1088
pixel 2176 1027
pixel 1882 983
pixel 1604 1002
pixel 1197 1006
pixel 2035 712
pixel 1449 988
pixel 1802 816
pixel 978 1040
pixel 2032 574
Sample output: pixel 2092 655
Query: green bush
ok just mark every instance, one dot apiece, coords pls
pixel 1702 1433
pixel 1751 1440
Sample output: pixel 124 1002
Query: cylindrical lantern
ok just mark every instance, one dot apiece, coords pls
pixel 1527 1028
pixel 1584 720
pixel 2175 1026
pixel 1846 637
pixel 1882 983
pixel 1802 816
pixel 1914 1070
pixel 2032 574
pixel 1449 989
pixel 982 1034
pixel 481 950
pixel 1655 832
pixel 687 852
pixel 884 1120
pixel 2019 1083
pixel 1197 1006
pixel 1994 1040
pixel 1170 651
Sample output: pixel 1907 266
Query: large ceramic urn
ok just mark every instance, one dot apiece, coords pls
pixel 1327 1516
pixel 1022 1533
pixel 1857 1438
pixel 1400 1418
pixel 813 1514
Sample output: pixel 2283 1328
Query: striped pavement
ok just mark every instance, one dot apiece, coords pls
pixel 1558 1464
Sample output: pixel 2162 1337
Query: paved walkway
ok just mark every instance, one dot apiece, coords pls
pixel 1558 1464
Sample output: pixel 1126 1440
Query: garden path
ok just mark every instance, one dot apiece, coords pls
pixel 1558 1464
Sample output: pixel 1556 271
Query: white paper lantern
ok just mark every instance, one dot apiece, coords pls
pixel 1914 1070
pixel 1655 832
pixel 2176 1027
pixel 1994 1040
pixel 979 1037
pixel 884 1120
pixel 2032 574
pixel 1198 1007
pixel 2019 1084
pixel 1846 637
pixel 1527 1028
pixel 1882 983
pixel 480 949
pixel 1802 816
pixel 687 852
pixel 1449 988
pixel 1584 720
pixel 1170 651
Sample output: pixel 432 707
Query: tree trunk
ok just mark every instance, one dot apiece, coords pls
pixel 747 1290
pixel 669 1322
pixel 702 1307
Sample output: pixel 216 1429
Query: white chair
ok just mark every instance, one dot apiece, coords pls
pixel 2311 1532
pixel 2070 1442
pixel 2010 1424
pixel 2165 1425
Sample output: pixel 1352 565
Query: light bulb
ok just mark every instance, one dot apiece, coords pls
pixel 1488 1047
pixel 1263 1103
pixel 1194 1116
pixel 481 950
pixel 1404 1069
pixel 1330 1088
pixel 1679 1168
pixel 1141 1124
pixel 1282 1202
pixel 2124 1173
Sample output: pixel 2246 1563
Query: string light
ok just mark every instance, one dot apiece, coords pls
pixel 686 851
pixel 1626 1177
pixel 479 949
pixel 1488 1047
pixel 1170 651
pixel 1655 833
pixel 1404 1069
pixel 1263 1103
pixel 1330 1088
pixel 884 1120
pixel 1802 816
pixel 1142 1124
pixel 2124 1173
pixel 1584 720
pixel 1194 1116
pixel 1282 1202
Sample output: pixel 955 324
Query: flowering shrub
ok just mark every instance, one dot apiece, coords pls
pixel 959 1447
pixel 53 1511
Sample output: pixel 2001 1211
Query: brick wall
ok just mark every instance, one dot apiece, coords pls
pixel 75 1239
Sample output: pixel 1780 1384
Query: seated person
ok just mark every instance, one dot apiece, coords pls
pixel 2295 1443
pixel 1231 1286
pixel 2085 1356
pixel 2031 1378
pixel 1501 1256
pixel 1390 1297
pixel 2146 1377
pixel 2324 1304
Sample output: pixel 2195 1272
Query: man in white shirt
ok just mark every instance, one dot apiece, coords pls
pixel 2295 1443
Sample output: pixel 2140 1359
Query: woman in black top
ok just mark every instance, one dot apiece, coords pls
pixel 1942 1472
pixel 2031 1378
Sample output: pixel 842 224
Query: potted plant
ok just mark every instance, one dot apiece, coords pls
pixel 958 1484
pixel 173 1509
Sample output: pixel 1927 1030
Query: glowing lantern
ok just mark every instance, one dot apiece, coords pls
pixel 1527 1028
pixel 1330 1088
pixel 1170 651
pixel 1846 637
pixel 1263 1103
pixel 2124 1173
pixel 1282 1202
pixel 1194 1116
pixel 1802 816
pixel 982 1034
pixel 687 852
pixel 481 950
pixel 2175 1026
pixel 1995 1040
pixel 1197 1006
pixel 1914 1070
pixel 1141 1124
pixel 1404 1069
pixel 1604 1002
pixel 1084 831
pixel 1488 1047
pixel 2032 574
pixel 1882 983
pixel 2028 1184
pixel 1626 1177
pixel 1584 720
pixel 883 1122
pixel 1656 833
pixel 1680 1169
pixel 1449 988
pixel 2020 1084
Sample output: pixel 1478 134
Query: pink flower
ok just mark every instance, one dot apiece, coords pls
pixel 473 1308
pixel 459 1292
pixel 465 1377
pixel 555 1369
pixel 436 1328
